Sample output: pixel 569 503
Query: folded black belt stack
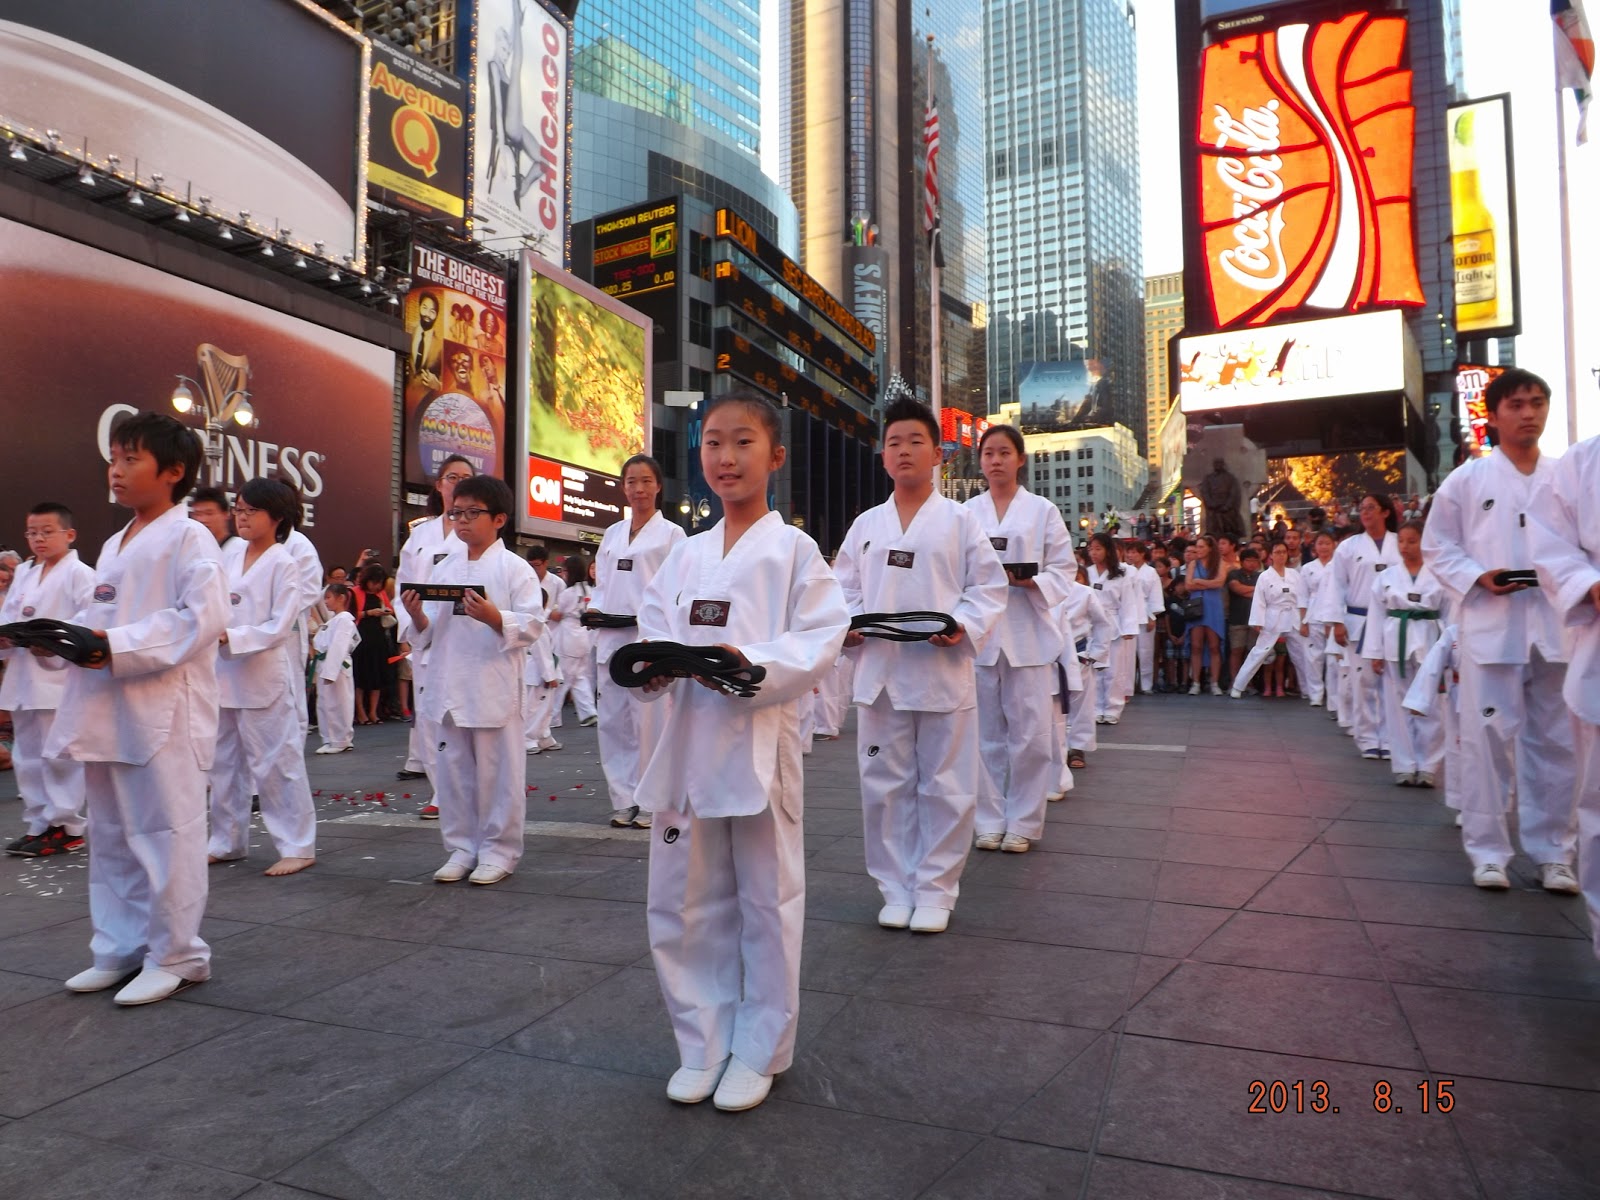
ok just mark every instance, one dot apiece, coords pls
pixel 1021 570
pixel 595 619
pixel 904 626
pixel 77 645
pixel 637 663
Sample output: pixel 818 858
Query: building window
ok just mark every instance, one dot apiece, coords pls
pixel 700 322
pixel 1088 489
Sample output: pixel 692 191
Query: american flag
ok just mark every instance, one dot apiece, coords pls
pixel 930 178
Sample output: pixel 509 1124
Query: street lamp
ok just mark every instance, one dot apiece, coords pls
pixel 222 397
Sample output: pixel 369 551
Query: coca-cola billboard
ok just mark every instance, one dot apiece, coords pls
pixel 1304 152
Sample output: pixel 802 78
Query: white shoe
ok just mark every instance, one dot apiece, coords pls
pixel 1424 779
pixel 1491 876
pixel 150 985
pixel 988 841
pixel 325 749
pixel 487 873
pixel 1316 703
pixel 930 920
pixel 643 819
pixel 452 872
pixel 1194 689
pixel 97 980
pixel 621 818
pixel 1371 754
pixel 1236 694
pixel 894 916
pixel 741 1087
pixel 588 722
pixel 1405 779
pixel 1216 689
pixel 549 743
pixel 1015 843
pixel 1112 720
pixel 1052 797
pixel 533 749
pixel 1558 877
pixel 690 1085
pixel 1458 820
pixel 1099 720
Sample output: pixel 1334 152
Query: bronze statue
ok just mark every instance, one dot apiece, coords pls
pixel 1222 498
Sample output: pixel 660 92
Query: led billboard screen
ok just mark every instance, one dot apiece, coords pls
pixel 1483 219
pixel 1361 355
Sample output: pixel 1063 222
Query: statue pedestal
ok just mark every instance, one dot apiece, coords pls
pixel 1246 461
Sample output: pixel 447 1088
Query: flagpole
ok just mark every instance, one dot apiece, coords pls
pixel 935 285
pixel 1568 320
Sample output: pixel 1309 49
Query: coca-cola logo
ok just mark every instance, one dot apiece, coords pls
pixel 1255 176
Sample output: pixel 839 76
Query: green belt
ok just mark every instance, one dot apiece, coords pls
pixel 1406 616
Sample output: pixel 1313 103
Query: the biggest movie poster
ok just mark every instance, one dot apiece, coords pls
pixel 97 336
pixel 455 324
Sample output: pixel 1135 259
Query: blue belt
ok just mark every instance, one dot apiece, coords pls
pixel 1082 645
pixel 1356 612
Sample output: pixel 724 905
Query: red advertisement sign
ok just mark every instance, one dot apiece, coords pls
pixel 1305 138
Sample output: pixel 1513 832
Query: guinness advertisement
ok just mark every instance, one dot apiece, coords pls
pixel 740 357
pixel 323 402
pixel 455 400
pixel 417 152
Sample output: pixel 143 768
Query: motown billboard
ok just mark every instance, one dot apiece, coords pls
pixel 1303 149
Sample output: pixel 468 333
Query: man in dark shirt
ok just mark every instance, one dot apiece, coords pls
pixel 1241 590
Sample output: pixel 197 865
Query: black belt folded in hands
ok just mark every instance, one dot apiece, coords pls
pixel 593 618
pixel 903 626
pixel 637 663
pixel 77 645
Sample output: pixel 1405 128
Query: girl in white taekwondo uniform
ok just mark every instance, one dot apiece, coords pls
pixel 427 544
pixel 1402 629
pixel 630 554
pixel 1016 667
pixel 541 679
pixel 144 724
pixel 336 687
pixel 258 737
pixel 53 583
pixel 574 643
pixel 1516 734
pixel 1121 595
pixel 1324 685
pixel 1147 585
pixel 1090 632
pixel 726 904
pixel 1278 610
pixel 917 741
pixel 308 565
pixel 478 650
pixel 1346 601
pixel 1566 545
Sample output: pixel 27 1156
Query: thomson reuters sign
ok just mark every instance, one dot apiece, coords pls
pixel 1305 144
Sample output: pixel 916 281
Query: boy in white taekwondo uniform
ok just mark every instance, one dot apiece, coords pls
pixel 308 570
pixel 1278 610
pixel 1086 649
pixel 1345 602
pixel 630 554
pixel 53 583
pixel 144 723
pixel 1119 593
pixel 726 905
pixel 1324 686
pixel 478 650
pixel 1402 629
pixel 336 689
pixel 1147 587
pixel 917 738
pixel 258 732
pixel 1016 667
pixel 574 643
pixel 1566 545
pixel 427 544
pixel 541 717
pixel 1516 734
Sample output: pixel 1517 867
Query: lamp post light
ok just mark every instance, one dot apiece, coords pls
pixel 220 398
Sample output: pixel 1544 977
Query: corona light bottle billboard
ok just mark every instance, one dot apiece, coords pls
pixel 1472 225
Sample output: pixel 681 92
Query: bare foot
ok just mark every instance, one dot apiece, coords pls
pixel 288 866
pixel 213 859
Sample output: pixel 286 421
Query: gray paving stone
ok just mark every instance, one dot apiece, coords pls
pixel 24 914
pixel 1079 809
pixel 1310 945
pixel 1494 1035
pixel 954 1069
pixel 1176 929
pixel 1305 896
pixel 1313 860
pixel 520 1127
pixel 1393 835
pixel 1408 812
pixel 1211 886
pixel 1316 1016
pixel 43 1164
pixel 844 896
pixel 453 995
pixel 281 1087
pixel 1244 824
pixel 1058 919
pixel 1065 1111
pixel 1529 1143
pixel 1123 1179
pixel 1219 850
pixel 248 895
pixel 91 1040
pixel 847 854
pixel 1131 878
pixel 265 968
pixel 1417 866
pixel 20 989
pixel 841 957
pixel 1058 984
pixel 628 880
pixel 801 1152
pixel 390 860
pixel 1067 838
pixel 1489 962
pixel 1185 1105
pixel 1447 907
pixel 1029 1173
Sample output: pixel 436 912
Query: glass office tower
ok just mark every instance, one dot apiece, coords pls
pixel 1066 278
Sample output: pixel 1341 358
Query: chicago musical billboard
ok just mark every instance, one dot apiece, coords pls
pixel 1304 152
pixel 1483 219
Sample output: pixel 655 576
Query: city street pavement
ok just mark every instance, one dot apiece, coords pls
pixel 1229 900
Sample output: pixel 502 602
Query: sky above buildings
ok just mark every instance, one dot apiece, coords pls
pixel 1507 46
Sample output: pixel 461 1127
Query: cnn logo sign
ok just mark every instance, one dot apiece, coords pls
pixel 544 490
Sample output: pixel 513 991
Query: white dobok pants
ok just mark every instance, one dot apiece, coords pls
pixel 726 910
pixel 1144 652
pixel 336 710
pixel 919 796
pixel 1415 743
pixel 1589 821
pixel 539 705
pixel 1015 736
pixel 1368 724
pixel 629 729
pixel 261 746
pixel 480 790
pixel 1114 683
pixel 1082 733
pixel 1299 654
pixel 577 672
pixel 51 788
pixel 147 859
pixel 1517 741
pixel 423 746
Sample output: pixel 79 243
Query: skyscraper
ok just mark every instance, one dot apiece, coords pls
pixel 1066 280
pixel 1163 321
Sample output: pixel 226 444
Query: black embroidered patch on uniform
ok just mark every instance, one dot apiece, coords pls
pixel 1488 712
pixel 709 612
pixel 1380 566
pixel 671 835
pixel 440 557
pixel 624 564
pixel 999 543
pixel 1414 597
pixel 1488 504
pixel 234 599
pixel 872 752
pixel 902 558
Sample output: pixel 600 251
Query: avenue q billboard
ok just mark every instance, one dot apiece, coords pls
pixel 1304 154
